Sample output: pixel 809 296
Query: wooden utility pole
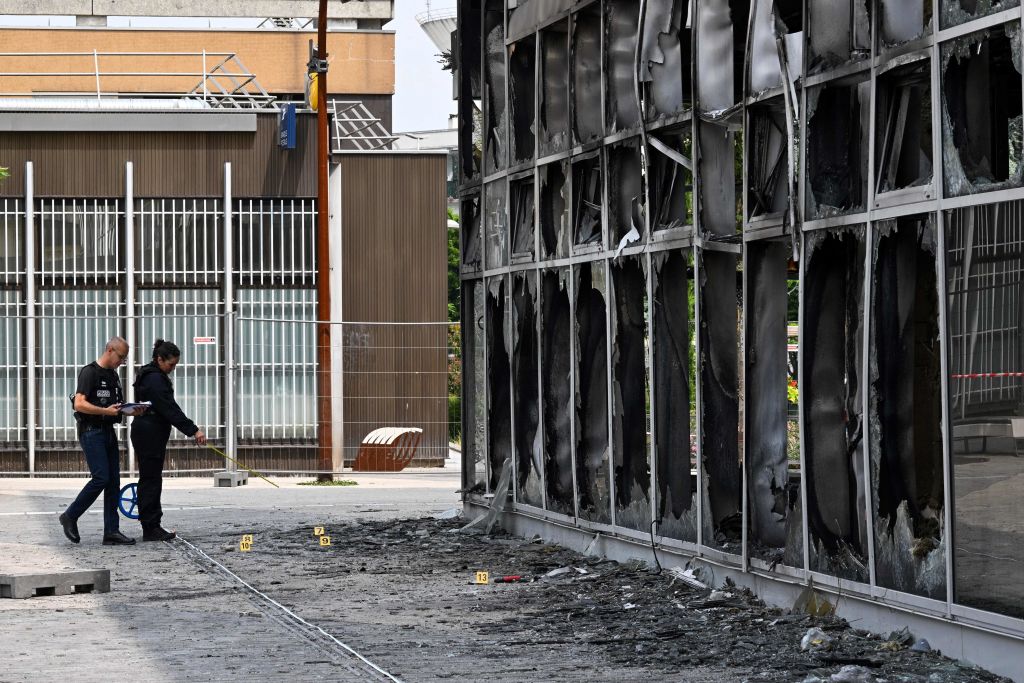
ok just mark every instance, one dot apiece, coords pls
pixel 323 255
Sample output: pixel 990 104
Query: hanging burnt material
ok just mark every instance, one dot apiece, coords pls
pixel 592 479
pixel 903 143
pixel 587 199
pixel 767 159
pixel 674 396
pixel 630 396
pixel 468 74
pixel 554 89
pixel 625 192
pixel 838 32
pixel 906 419
pixel 522 58
pixel 772 21
pixel 981 118
pixel 499 404
pixel 494 86
pixel 671 179
pixel 556 359
pixel 719 377
pixel 521 210
pixel 474 387
pixel 621 21
pixel 901 21
pixel 472 252
pixel 717 165
pixel 495 225
pixel 585 82
pixel 554 210
pixel 775 525
pixel 837 148
pixel 526 394
pixel 665 58
pixel 832 327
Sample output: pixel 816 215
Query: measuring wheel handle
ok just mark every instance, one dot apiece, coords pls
pixel 129 501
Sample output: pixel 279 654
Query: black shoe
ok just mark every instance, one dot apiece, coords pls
pixel 117 538
pixel 157 534
pixel 70 528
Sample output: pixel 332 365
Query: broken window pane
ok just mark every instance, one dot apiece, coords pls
pixel 522 57
pixel 470 223
pixel 906 410
pixel 720 295
pixel 471 51
pixel 956 12
pixel 767 158
pixel 981 112
pixel 474 389
pixel 621 19
pixel 554 210
pixel 630 396
pixel 839 31
pixel 902 21
pixel 671 179
pixel 771 436
pixel 625 192
pixel 675 419
pixel 554 94
pixel 499 399
pixel 903 127
pixel 832 322
pixel 586 74
pixel 665 57
pixel 556 359
pixel 494 85
pixel 495 225
pixel 529 450
pixel 587 199
pixel 837 148
pixel 985 291
pixel 592 480
pixel 771 21
pixel 521 215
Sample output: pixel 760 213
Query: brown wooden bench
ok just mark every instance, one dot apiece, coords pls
pixel 388 449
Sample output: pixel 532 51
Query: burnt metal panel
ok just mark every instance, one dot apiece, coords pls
pixel 557 392
pixel 526 392
pixel 592 443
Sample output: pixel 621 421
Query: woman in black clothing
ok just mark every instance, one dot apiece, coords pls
pixel 151 431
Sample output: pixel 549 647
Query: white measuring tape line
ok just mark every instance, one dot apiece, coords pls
pixel 287 611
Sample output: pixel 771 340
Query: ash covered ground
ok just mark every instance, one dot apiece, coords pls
pixel 401 592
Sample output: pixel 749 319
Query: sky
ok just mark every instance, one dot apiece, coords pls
pixel 423 91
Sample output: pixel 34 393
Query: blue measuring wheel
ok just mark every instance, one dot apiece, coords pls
pixel 129 501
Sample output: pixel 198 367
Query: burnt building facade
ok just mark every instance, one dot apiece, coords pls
pixel 746 278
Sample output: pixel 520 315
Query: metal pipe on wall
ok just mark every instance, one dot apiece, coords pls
pixel 323 257
pixel 30 312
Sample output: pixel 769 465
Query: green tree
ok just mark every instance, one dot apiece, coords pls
pixel 4 172
pixel 454 288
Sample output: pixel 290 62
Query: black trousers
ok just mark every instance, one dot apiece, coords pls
pixel 150 442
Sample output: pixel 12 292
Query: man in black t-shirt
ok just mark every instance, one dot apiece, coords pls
pixel 98 398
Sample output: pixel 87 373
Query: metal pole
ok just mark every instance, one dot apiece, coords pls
pixel 323 258
pixel 30 320
pixel 230 437
pixel 129 291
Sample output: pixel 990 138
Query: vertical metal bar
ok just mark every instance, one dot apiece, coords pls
pixel 696 380
pixel 229 321
pixel 96 66
pixel 129 293
pixel 742 369
pixel 652 451
pixel 947 449
pixel 30 320
pixel 867 320
pixel 802 316
pixel 574 388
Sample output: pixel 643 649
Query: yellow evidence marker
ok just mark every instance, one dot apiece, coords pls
pixel 483 577
pixel 318 531
pixel 325 540
pixel 245 545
